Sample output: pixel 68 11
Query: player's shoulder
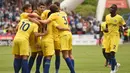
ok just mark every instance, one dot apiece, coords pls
pixel 103 24
pixel 45 14
pixel 119 16
pixel 55 14
pixel 108 15
pixel 46 11
pixel 63 13
pixel 24 13
pixel 24 20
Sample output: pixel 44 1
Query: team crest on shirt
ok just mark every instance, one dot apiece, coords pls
pixel 115 20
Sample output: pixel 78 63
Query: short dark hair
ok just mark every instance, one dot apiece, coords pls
pixel 41 4
pixel 26 6
pixel 114 5
pixel 57 3
pixel 48 2
pixel 54 8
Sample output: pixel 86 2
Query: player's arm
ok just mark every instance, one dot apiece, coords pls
pixel 123 24
pixel 40 34
pixel 52 17
pixel 106 20
pixel 106 29
pixel 45 21
pixel 34 15
pixel 35 20
pixel 100 35
pixel 17 26
pixel 36 31
pixel 60 28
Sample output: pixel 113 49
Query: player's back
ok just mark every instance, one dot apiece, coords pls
pixel 25 28
pixel 63 22
pixel 24 15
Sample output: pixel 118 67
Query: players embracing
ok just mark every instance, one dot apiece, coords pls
pixel 45 37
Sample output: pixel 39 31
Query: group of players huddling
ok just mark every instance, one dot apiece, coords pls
pixel 110 30
pixel 44 32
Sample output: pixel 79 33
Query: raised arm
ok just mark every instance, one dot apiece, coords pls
pixel 40 34
pixel 45 21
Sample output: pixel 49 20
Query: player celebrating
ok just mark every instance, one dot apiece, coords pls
pixel 113 21
pixel 65 36
pixel 48 49
pixel 21 44
pixel 36 50
pixel 45 15
pixel 27 12
pixel 103 33
pixel 57 45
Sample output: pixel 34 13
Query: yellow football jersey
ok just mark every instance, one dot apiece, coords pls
pixel 26 28
pixel 55 33
pixel 61 20
pixel 44 15
pixel 103 27
pixel 114 23
pixel 49 35
pixel 55 30
pixel 24 15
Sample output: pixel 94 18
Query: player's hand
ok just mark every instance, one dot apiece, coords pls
pixel 69 29
pixel 45 32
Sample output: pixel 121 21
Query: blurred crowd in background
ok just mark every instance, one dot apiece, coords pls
pixel 10 16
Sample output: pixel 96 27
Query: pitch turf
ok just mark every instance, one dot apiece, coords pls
pixel 88 59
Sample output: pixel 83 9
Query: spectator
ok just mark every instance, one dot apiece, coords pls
pixel 73 27
pixel 79 27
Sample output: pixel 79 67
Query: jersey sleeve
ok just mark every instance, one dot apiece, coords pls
pixel 106 18
pixel 122 22
pixel 35 27
pixel 53 17
pixel 43 16
pixel 23 16
pixel 101 27
pixel 55 24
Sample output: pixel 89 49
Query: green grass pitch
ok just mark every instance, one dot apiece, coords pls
pixel 88 59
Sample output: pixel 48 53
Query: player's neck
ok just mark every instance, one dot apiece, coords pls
pixel 113 14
